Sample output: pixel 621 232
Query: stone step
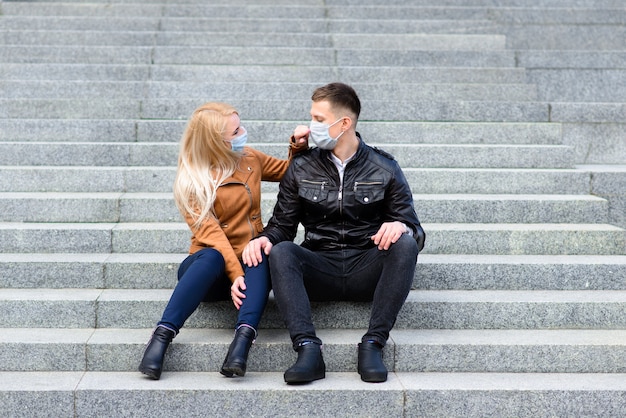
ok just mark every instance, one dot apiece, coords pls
pixel 268 131
pixel 448 238
pixel 211 38
pixel 253 56
pixel 265 73
pixel 458 351
pixel 432 309
pixel 297 109
pixel 601 36
pixel 565 59
pixel 492 4
pixel 434 271
pixel 422 180
pixel 588 15
pixel 345 395
pixel 160 207
pixel 158 154
pixel 261 25
pixel 29 89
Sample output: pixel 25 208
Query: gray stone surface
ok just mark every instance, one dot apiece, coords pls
pixel 487 105
pixel 521 395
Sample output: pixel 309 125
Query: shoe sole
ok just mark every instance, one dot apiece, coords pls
pixel 232 371
pixel 301 380
pixel 151 373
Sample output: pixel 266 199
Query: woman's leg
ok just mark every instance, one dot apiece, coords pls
pixel 199 274
pixel 258 286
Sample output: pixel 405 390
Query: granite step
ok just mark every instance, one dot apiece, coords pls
pixel 160 207
pixel 298 109
pixel 422 180
pixel 432 309
pixel 405 394
pixel 162 154
pixel 238 24
pixel 433 271
pixel 276 131
pixel 224 55
pixel 203 350
pixel 214 38
pixel 265 73
pixel 29 89
pixel 444 238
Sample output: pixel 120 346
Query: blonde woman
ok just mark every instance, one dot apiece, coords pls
pixel 218 191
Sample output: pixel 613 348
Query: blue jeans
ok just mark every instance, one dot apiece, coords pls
pixel 201 278
pixel 300 275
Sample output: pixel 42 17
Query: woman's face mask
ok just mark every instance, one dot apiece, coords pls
pixel 238 142
pixel 320 135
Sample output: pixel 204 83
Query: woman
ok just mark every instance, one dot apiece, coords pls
pixel 218 191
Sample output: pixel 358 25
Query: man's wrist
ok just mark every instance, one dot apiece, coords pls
pixel 407 230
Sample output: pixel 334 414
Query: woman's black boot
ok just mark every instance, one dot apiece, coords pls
pixel 237 357
pixel 309 366
pixel 152 361
pixel 370 364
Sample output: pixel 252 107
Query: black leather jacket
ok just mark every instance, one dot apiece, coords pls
pixel 374 191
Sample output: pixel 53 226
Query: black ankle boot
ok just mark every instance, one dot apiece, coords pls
pixel 152 361
pixel 370 365
pixel 237 357
pixel 309 366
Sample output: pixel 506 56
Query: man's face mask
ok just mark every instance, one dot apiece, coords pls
pixel 320 135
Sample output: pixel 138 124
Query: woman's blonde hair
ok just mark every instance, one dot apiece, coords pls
pixel 204 161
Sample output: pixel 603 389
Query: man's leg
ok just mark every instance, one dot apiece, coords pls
pixel 297 272
pixel 299 275
pixel 386 277
pixel 390 275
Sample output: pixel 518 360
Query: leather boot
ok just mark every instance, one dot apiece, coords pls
pixel 237 357
pixel 370 365
pixel 152 361
pixel 309 366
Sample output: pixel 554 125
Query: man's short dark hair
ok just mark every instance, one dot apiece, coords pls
pixel 339 95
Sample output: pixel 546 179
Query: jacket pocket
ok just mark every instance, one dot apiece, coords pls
pixel 314 192
pixel 368 192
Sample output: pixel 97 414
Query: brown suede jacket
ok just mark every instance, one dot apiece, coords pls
pixel 238 208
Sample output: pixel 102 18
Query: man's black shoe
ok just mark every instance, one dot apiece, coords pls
pixel 309 366
pixel 371 366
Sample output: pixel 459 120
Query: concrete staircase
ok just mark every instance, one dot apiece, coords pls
pixel 508 118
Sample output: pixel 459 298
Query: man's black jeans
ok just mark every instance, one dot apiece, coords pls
pixel 382 277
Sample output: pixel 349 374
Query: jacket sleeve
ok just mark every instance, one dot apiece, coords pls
pixel 274 168
pixel 210 235
pixel 284 222
pixel 400 205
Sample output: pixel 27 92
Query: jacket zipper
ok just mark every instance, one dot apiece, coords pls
pixel 365 183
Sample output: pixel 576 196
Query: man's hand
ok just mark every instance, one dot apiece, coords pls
pixel 236 291
pixel 251 255
pixel 301 134
pixel 388 234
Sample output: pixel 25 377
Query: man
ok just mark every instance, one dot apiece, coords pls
pixel 362 235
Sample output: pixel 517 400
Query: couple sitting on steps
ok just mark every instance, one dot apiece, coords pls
pixel 362 235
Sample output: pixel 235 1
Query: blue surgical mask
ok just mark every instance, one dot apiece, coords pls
pixel 238 142
pixel 320 135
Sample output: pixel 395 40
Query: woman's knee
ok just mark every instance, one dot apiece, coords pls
pixel 209 257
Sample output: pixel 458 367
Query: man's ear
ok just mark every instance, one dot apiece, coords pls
pixel 346 123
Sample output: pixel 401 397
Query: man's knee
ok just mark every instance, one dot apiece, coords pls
pixel 406 246
pixel 282 250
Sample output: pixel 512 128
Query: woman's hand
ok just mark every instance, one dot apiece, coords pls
pixel 236 291
pixel 301 135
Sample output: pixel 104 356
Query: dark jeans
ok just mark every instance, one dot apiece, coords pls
pixel 382 277
pixel 201 278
